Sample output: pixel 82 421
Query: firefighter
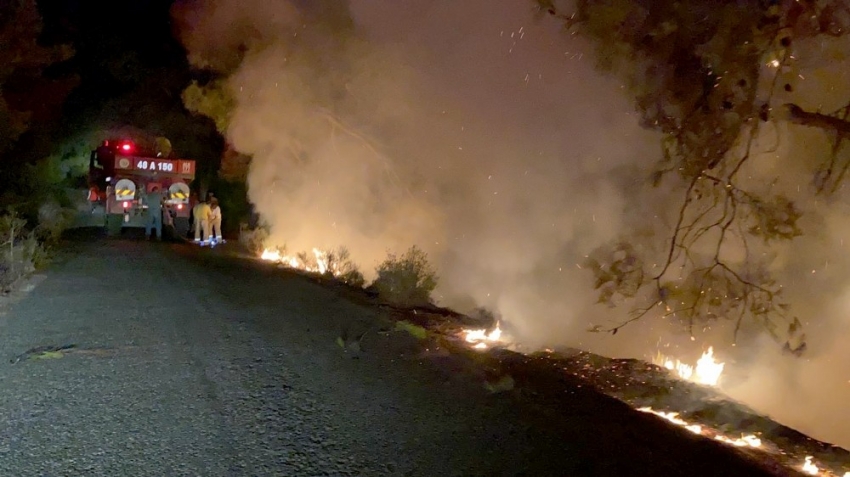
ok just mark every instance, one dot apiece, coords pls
pixel 201 222
pixel 93 197
pixel 215 222
pixel 154 220
pixel 168 214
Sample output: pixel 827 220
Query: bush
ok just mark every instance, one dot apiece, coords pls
pixel 407 280
pixel 253 239
pixel 336 263
pixel 53 220
pixel 20 251
pixel 339 263
pixel 353 277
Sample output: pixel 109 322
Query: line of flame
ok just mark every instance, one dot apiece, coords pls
pixel 707 370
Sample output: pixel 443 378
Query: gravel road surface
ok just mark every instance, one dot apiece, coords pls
pixel 191 363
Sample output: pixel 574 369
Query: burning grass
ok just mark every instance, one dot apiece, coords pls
pixel 407 280
pixel 680 393
pixel 699 408
pixel 707 370
pixel 336 263
pixel 482 339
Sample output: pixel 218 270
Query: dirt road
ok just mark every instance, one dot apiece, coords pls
pixel 189 363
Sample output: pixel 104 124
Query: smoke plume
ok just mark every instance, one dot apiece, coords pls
pixel 487 138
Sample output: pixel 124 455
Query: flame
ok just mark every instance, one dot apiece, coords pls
pixel 707 371
pixel 810 468
pixel 321 260
pixel 481 339
pixel 747 440
pixel 321 266
pixel 743 441
pixel 271 255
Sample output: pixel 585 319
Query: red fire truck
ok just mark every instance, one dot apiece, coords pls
pixel 121 174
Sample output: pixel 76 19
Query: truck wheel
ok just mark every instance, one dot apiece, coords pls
pixel 114 223
pixel 181 227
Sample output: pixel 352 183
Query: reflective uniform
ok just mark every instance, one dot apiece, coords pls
pixel 215 223
pixel 202 220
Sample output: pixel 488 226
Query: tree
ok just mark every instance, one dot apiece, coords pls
pixel 212 100
pixel 711 77
pixel 215 101
pixel 22 61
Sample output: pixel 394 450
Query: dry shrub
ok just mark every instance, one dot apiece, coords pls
pixel 253 239
pixel 25 249
pixel 20 251
pixel 335 263
pixel 53 220
pixel 407 280
pixel 343 268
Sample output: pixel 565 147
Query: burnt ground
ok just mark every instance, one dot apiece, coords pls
pixel 186 361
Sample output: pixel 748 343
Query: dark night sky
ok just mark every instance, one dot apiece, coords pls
pixel 131 69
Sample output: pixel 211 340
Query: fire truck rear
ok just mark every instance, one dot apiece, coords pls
pixel 124 176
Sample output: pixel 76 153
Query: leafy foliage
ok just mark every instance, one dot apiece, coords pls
pixel 407 280
pixel 215 101
pixel 704 74
pixel 22 61
pixel 212 100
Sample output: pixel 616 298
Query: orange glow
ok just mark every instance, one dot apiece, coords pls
pixel 481 339
pixel 707 370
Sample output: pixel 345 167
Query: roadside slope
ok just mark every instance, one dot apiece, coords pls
pixel 192 363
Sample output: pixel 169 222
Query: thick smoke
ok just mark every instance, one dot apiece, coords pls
pixel 487 138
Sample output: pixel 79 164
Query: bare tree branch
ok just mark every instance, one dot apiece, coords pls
pixel 796 115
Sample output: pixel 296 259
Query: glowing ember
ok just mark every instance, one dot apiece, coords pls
pixel 481 339
pixel 707 370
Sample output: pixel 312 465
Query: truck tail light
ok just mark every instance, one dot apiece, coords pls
pixel 179 206
pixel 126 204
